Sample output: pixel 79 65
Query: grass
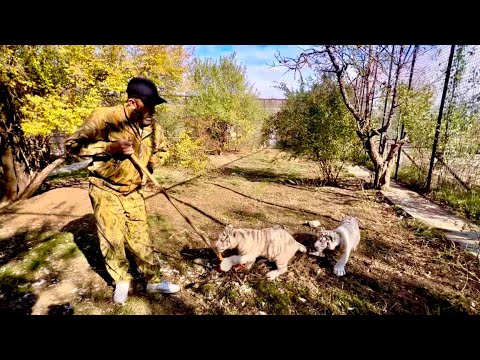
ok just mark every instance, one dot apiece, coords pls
pixel 170 176
pixel 161 225
pixel 342 302
pixel 134 306
pixel 272 297
pixel 399 211
pixel 39 255
pixel 9 281
pixel 266 168
pixel 76 174
pixel 423 231
pixel 167 241
pixel 16 293
pixel 466 203
pixel 412 176
pixel 362 159
pixel 400 267
pixel 70 252
pixel 256 217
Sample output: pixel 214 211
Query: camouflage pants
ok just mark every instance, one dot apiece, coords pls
pixel 122 222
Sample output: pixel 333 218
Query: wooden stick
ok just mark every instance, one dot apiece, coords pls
pixel 147 173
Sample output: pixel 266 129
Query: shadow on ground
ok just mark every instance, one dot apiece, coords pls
pixel 85 237
pixel 16 295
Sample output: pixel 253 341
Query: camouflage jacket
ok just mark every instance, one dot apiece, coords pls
pixel 105 125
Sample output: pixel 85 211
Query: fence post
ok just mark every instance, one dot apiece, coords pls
pixel 439 121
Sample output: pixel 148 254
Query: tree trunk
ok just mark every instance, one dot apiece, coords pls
pixel 9 178
pixel 39 178
pixel 385 174
pixel 384 164
pixel 15 192
pixel 20 159
pixel 14 178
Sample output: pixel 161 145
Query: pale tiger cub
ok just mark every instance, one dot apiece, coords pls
pixel 346 236
pixel 276 244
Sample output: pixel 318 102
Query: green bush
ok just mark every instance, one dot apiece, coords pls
pixel 316 124
pixel 188 153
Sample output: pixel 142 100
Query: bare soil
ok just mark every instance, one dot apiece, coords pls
pixel 50 262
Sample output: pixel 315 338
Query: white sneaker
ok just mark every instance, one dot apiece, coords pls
pixel 120 295
pixel 164 287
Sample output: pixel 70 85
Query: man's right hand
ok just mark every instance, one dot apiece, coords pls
pixel 121 147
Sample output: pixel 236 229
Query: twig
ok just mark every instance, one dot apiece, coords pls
pixel 275 157
pixel 203 174
pixel 271 203
pixel 386 305
pixel 177 258
pixel 211 217
pixel 392 307
pixel 466 282
pixel 240 280
pixel 468 272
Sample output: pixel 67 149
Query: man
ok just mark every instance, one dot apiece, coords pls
pixel 109 136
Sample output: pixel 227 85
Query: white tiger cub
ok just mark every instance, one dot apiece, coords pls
pixel 346 236
pixel 276 244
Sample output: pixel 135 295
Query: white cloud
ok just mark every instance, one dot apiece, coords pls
pixel 258 60
pixel 264 78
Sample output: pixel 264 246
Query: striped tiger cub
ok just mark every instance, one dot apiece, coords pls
pixel 344 237
pixel 275 244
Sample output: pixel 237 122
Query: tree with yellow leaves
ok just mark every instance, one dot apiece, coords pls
pixel 53 88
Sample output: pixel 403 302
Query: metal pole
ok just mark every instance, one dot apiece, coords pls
pixel 402 131
pixel 380 150
pixel 439 121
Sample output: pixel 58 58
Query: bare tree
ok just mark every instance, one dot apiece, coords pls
pixel 361 73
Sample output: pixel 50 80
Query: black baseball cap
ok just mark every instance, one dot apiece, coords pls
pixel 144 89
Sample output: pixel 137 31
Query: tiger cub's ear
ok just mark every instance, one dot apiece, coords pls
pixel 332 236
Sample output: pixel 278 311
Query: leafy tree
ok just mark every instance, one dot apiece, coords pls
pixel 45 89
pixel 362 73
pixel 417 113
pixel 222 102
pixel 316 124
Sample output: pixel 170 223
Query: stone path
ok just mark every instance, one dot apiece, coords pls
pixel 461 231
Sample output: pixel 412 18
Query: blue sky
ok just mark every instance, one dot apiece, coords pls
pixel 258 60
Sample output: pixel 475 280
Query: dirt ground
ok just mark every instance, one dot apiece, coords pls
pixel 50 262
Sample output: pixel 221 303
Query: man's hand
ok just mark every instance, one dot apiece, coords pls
pixel 150 167
pixel 121 147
